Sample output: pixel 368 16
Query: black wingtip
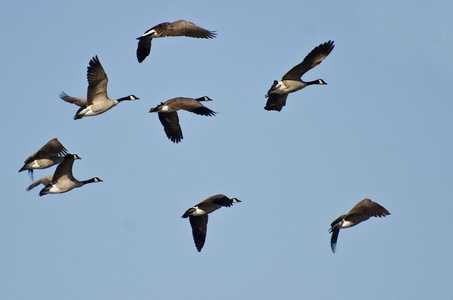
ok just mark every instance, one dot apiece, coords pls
pixel 334 247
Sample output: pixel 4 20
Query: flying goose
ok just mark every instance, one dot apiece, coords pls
pixel 62 180
pixel 292 82
pixel 168 115
pixel 98 102
pixel 177 28
pixel 362 211
pixel 198 216
pixel 50 154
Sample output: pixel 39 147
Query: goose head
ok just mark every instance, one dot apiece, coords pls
pixel 204 98
pixel 94 179
pixel 72 156
pixel 130 97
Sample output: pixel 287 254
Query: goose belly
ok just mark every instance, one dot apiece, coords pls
pixel 58 189
pixel 43 163
pixel 198 212
pixel 347 224
pixel 93 110
pixel 291 86
pixel 103 107
pixel 167 109
pixel 86 112
pixel 287 86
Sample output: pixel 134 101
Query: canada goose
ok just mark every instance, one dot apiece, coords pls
pixel 177 28
pixel 168 115
pixel 292 82
pixel 50 154
pixel 98 101
pixel 62 180
pixel 362 211
pixel 198 216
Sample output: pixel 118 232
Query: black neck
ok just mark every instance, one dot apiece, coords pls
pixel 124 98
pixel 88 181
pixel 312 82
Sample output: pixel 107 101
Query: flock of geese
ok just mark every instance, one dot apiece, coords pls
pixel 97 102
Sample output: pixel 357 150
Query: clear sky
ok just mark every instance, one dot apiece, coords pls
pixel 380 129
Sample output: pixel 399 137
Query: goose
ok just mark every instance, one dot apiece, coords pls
pixel 177 28
pixel 292 82
pixel 198 216
pixel 98 102
pixel 62 180
pixel 362 211
pixel 50 154
pixel 168 115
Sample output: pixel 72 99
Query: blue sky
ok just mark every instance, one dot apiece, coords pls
pixel 380 129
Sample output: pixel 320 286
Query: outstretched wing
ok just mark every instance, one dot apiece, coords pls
pixel 170 121
pixel 143 48
pixel 333 239
pixel 199 227
pixel 369 208
pixel 314 58
pixel 183 28
pixel 73 100
pixel 276 102
pixel 97 81
pixel 45 181
pixel 191 105
pixel 51 148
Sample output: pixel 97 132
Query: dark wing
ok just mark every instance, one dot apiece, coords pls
pixel 336 221
pixel 199 227
pixel 276 102
pixel 52 148
pixel 333 239
pixel 45 181
pixel 170 121
pixel 73 100
pixel 64 170
pixel 183 28
pixel 143 48
pixel 218 199
pixel 369 208
pixel 314 58
pixel 191 105
pixel 97 80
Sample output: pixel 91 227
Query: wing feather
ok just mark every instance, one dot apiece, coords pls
pixel 369 208
pixel 170 121
pixel 276 102
pixel 183 28
pixel 97 81
pixel 199 227
pixel 73 100
pixel 314 58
